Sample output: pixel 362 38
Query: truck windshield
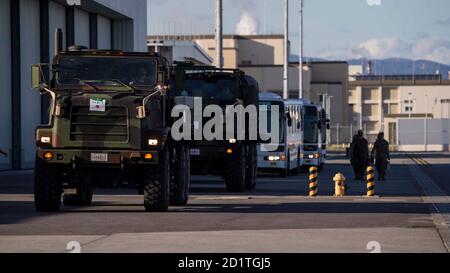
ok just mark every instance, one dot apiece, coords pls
pixel 310 125
pixel 266 109
pixel 107 71
pixel 222 89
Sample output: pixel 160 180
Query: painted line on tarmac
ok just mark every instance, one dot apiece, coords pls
pixel 434 197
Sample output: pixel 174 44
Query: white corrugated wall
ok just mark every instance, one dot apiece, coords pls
pixel 104 32
pixel 30 99
pixel 81 28
pixel 57 19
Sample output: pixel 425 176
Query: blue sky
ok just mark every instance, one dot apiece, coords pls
pixel 334 29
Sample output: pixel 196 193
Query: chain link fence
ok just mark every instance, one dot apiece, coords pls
pixel 341 135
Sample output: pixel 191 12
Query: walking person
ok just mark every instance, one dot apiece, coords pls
pixel 360 155
pixel 380 153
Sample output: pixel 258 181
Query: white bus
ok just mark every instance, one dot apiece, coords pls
pixel 314 137
pixel 284 157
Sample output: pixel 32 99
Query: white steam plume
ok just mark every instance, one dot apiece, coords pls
pixel 247 25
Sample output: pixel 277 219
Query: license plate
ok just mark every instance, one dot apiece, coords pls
pixel 70 191
pixel 308 161
pixel 195 151
pixel 99 157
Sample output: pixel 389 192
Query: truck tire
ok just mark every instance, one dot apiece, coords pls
pixel 156 180
pixel 82 198
pixel 252 166
pixel 235 171
pixel 181 179
pixel 47 188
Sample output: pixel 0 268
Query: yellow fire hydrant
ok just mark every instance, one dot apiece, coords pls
pixel 339 180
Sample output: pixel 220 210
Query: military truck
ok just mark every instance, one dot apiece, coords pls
pixel 232 158
pixel 108 128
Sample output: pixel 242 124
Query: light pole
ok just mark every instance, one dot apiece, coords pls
pixel 219 34
pixel 300 91
pixel 426 123
pixel 286 51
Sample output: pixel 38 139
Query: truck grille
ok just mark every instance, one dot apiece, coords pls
pixel 108 126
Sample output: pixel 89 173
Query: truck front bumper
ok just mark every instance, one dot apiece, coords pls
pixel 98 157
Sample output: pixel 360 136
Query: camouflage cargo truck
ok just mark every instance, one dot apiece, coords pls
pixel 108 128
pixel 232 158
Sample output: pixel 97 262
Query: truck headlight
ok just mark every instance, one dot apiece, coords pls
pixel 311 156
pixel 153 142
pixel 232 141
pixel 46 140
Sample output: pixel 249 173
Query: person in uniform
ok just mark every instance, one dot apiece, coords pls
pixel 380 153
pixel 360 155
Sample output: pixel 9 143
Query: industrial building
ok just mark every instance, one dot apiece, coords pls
pixel 27 29
pixel 402 106
pixel 261 56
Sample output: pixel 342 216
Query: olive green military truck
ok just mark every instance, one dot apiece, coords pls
pixel 108 128
pixel 234 158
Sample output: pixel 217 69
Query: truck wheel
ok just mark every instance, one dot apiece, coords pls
pixel 181 180
pixel 235 171
pixel 82 198
pixel 156 184
pixel 47 188
pixel 251 170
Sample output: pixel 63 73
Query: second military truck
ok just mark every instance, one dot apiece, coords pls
pixel 233 158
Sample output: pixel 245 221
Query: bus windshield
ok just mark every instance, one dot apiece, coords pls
pixel 310 125
pixel 265 108
pixel 107 71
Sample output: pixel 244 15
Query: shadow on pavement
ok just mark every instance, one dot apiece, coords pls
pixel 14 212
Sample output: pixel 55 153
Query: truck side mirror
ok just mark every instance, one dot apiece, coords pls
pixel 36 78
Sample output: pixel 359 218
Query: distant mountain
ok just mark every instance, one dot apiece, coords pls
pixel 394 66
pixel 295 58
pixel 398 66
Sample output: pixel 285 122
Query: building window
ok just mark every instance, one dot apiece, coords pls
pixel 408 109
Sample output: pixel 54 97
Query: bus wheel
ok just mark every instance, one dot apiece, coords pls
pixel 320 167
pixel 295 171
pixel 285 172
